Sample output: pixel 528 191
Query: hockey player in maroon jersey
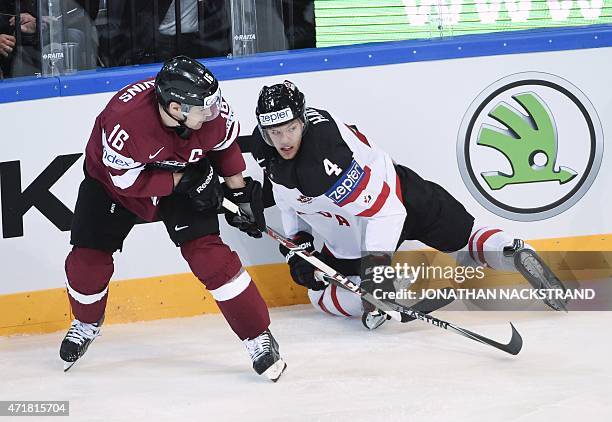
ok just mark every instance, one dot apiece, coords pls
pixel 155 153
pixel 328 177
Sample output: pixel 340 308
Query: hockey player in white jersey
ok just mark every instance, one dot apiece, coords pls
pixel 329 178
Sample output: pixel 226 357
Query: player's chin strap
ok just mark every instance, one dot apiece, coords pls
pixel 393 309
pixel 181 130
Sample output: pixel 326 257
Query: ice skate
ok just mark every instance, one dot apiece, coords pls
pixel 536 272
pixel 264 352
pixel 77 340
pixel 372 318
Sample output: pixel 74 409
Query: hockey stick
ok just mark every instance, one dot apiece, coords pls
pixel 394 310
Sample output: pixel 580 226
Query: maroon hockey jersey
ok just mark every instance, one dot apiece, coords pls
pixel 129 134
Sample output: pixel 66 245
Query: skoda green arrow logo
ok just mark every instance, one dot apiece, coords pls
pixel 528 138
pixel 530 146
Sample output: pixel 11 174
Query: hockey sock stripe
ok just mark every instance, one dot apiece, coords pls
pixel 232 287
pixel 86 299
pixel 336 302
pixel 378 204
pixel 471 244
pixel 480 244
pixel 322 306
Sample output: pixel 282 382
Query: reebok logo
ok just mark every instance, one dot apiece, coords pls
pixel 203 186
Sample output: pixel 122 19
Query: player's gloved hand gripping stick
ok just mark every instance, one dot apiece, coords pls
pixel 394 310
pixel 201 185
pixel 249 200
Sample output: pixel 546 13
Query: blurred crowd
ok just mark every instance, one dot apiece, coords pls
pixel 64 36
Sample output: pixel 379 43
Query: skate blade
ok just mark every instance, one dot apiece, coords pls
pixel 68 365
pixel 539 276
pixel 274 372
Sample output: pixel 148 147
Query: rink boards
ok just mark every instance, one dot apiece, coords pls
pixel 442 108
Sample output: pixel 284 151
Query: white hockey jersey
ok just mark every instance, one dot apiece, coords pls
pixel 340 185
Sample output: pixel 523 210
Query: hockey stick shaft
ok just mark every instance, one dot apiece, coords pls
pixel 394 310
pixel 513 347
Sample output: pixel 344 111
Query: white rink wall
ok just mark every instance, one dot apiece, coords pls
pixel 413 110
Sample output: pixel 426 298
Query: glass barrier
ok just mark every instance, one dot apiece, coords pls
pixel 58 37
pixel 257 26
pixel 68 36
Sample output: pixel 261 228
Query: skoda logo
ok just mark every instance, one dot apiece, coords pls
pixel 530 146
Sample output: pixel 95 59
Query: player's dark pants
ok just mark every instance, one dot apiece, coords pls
pixel 99 228
pixel 433 216
pixel 437 219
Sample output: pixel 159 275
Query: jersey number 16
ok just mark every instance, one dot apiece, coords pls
pixel 118 137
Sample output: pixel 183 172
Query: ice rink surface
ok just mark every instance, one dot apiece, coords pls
pixel 195 369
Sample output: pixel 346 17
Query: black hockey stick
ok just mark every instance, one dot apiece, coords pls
pixel 513 346
pixel 393 309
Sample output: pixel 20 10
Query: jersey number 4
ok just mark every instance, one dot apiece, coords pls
pixel 331 168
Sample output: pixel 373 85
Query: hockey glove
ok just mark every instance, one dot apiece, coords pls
pixel 251 219
pixel 372 275
pixel 201 184
pixel 302 272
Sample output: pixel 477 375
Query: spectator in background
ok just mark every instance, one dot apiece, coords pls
pixel 213 41
pixel 132 35
pixel 27 61
pixel 7 46
pixel 190 42
pixel 79 28
pixel 299 23
pixel 119 40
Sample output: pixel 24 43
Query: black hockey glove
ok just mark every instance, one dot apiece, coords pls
pixel 301 270
pixel 201 184
pixel 373 274
pixel 372 267
pixel 249 199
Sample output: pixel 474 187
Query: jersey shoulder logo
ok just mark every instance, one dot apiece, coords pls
pixel 346 184
pixel 304 199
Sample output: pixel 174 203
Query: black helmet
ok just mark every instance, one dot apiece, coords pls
pixel 279 104
pixel 185 81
